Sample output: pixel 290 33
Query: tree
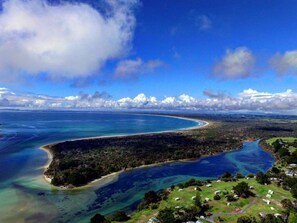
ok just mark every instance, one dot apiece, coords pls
pixel 277 145
pixel 98 218
pixel 239 175
pixel 197 199
pixel 246 219
pixel 227 176
pixel 262 178
pixel 166 216
pixel 242 188
pixel 294 191
pixel 120 216
pixel 270 219
pixel 287 204
pixel 188 214
pixel 284 152
pixel 217 197
pixel 150 197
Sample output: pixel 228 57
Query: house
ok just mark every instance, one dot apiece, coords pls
pixel 272 208
pixel 293 165
pixel 268 195
pixel 194 197
pixel 290 173
pixel 228 204
pixel 153 220
pixel 180 189
pixel 208 185
pixel 252 187
pixel 177 199
pixel 219 181
pixel 207 199
pixel 266 201
pixel 262 214
pixel 277 215
pixel 217 192
pixel 270 192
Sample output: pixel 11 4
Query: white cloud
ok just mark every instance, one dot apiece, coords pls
pixel 285 63
pixel 204 22
pixel 133 68
pixel 235 64
pixel 68 40
pixel 247 100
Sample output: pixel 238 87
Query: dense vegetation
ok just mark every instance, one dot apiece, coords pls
pixel 79 162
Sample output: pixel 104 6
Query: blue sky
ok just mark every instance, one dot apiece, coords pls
pixel 159 48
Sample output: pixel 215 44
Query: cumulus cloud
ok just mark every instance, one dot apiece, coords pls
pixel 247 100
pixel 204 22
pixel 67 40
pixel 133 68
pixel 235 64
pixel 285 63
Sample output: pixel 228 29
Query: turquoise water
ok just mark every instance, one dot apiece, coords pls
pixel 26 197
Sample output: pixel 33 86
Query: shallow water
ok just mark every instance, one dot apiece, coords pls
pixel 25 197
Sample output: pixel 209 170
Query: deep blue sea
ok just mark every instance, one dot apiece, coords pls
pixel 26 197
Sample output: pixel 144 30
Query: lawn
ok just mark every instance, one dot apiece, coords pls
pixel 285 139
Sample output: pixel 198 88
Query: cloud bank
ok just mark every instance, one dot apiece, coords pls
pixel 68 40
pixel 247 100
pixel 235 64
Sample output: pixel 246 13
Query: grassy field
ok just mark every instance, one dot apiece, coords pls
pixel 285 139
pixel 250 206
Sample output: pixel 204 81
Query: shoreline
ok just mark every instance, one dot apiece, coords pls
pixel 112 176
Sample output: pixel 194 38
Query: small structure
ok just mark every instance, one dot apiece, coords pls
pixel 217 192
pixel 202 217
pixel 177 199
pixel 178 207
pixel 252 187
pixel 235 196
pixel 272 208
pixel 262 214
pixel 153 220
pixel 268 195
pixel 206 199
pixel 266 201
pixel 219 181
pixel 208 185
pixel 194 197
pixel 270 192
pixel 228 204
pixel 180 189
pixel 277 215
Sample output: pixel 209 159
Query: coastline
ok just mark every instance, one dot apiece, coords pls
pixel 113 176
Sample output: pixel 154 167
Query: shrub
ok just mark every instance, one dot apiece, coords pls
pixel 217 197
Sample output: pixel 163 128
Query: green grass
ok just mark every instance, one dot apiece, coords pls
pixel 285 139
pixel 220 206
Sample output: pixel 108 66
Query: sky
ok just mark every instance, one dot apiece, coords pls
pixel 197 55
